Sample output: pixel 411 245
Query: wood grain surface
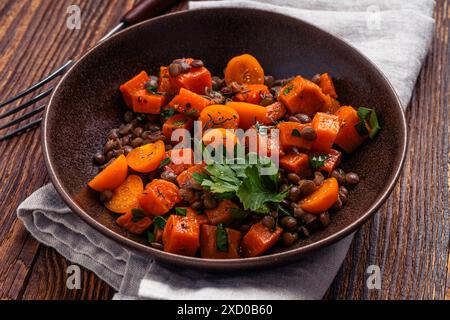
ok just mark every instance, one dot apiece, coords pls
pixel 411 247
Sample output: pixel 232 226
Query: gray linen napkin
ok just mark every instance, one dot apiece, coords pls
pixel 395 34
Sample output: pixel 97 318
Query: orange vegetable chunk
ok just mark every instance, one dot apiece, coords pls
pixel 274 112
pixel 112 176
pixel 181 235
pixel 196 80
pixel 137 227
pixel 327 85
pixel 147 157
pixel 159 197
pixel 219 116
pixel 164 84
pixel 259 239
pixel 327 128
pixel 302 96
pixel 180 159
pixel 146 102
pixel 296 163
pixel 208 244
pixel 332 162
pixel 126 196
pixel 222 213
pixel 132 86
pixel 185 178
pixel 252 93
pixel 244 69
pixel 348 137
pixel 178 121
pixel 290 135
pixel 189 102
pixel 201 218
pixel 323 198
pixel 249 113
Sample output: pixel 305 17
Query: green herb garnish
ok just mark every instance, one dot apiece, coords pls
pixel 288 89
pixel 137 214
pixel 150 237
pixel 254 190
pixel 164 163
pixel 296 133
pixel 369 122
pixel 160 222
pixel 152 89
pixel 179 123
pixel 167 113
pixel 181 211
pixel 316 162
pixel 221 238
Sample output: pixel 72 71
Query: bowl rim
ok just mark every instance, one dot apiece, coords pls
pixel 221 264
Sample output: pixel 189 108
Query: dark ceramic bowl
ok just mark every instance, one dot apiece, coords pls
pixel 87 104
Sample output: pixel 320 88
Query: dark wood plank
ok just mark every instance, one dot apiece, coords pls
pixel 34 40
pixel 411 246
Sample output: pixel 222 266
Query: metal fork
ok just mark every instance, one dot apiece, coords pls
pixel 144 9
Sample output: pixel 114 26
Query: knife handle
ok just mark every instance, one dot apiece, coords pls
pixel 146 9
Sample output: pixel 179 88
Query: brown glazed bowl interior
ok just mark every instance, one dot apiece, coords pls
pixel 87 104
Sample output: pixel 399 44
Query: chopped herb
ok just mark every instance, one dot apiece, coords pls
pixel 159 222
pixel 179 123
pixel 282 211
pixel 167 113
pixel 296 133
pixel 152 89
pixel 255 191
pixel 316 162
pixel 181 211
pixel 164 163
pixel 221 238
pixel 288 89
pixel 369 123
pixel 150 237
pixel 137 214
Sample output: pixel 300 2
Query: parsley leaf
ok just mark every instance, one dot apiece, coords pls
pixel 181 211
pixel 257 191
pixel 296 133
pixel 137 214
pixel 316 162
pixel 221 238
pixel 164 163
pixel 159 222
pixel 368 124
pixel 288 89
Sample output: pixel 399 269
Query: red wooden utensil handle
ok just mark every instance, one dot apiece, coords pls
pixel 146 9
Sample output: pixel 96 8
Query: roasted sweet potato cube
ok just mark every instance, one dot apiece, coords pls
pixel 326 127
pixel 259 239
pixel 181 235
pixel 222 213
pixel 208 244
pixel 290 135
pixel 302 96
pixel 296 163
pixel 132 86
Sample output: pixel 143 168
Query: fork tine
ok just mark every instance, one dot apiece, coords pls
pixel 21 129
pixel 39 84
pixel 26 104
pixel 23 117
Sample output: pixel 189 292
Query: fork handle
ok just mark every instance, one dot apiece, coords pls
pixel 146 9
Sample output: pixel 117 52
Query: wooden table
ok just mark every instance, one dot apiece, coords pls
pixel 411 248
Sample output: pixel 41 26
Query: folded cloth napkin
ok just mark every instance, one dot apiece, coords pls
pixel 395 34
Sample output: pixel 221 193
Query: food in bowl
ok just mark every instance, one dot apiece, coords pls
pixel 226 168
